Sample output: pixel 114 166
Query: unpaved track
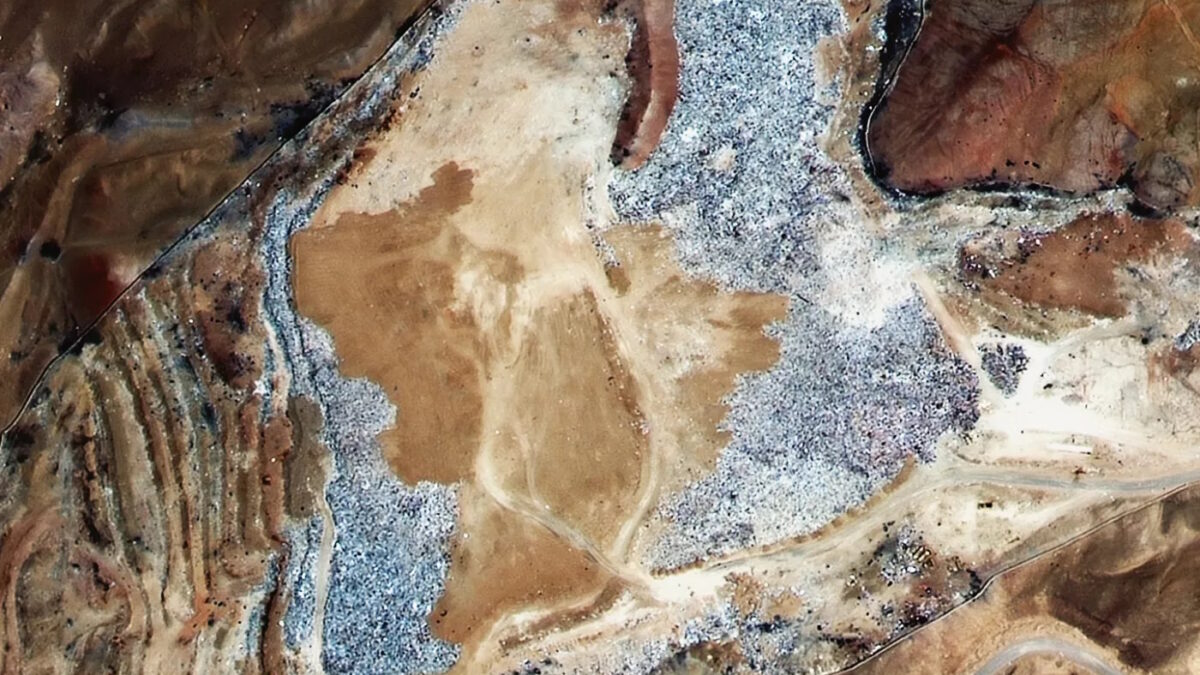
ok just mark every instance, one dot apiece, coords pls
pixel 953 476
pixel 1004 658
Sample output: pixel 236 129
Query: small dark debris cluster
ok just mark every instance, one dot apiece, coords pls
pixel 906 584
pixel 901 556
pixel 17 445
pixel 50 250
pixel 1004 364
pixel 986 257
pixel 1189 337
pixel 545 665
pixel 708 657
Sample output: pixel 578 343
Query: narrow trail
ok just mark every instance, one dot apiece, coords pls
pixel 912 490
pixel 321 573
pixel 486 478
pixel 690 586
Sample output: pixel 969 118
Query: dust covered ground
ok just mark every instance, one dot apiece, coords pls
pixel 651 336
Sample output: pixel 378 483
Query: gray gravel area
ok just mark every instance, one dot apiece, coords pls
pixel 847 403
pixel 390 556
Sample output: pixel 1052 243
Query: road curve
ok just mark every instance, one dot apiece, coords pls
pixel 1004 658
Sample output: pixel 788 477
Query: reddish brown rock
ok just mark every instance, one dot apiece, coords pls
pixel 653 65
pixel 1073 268
pixel 1074 96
